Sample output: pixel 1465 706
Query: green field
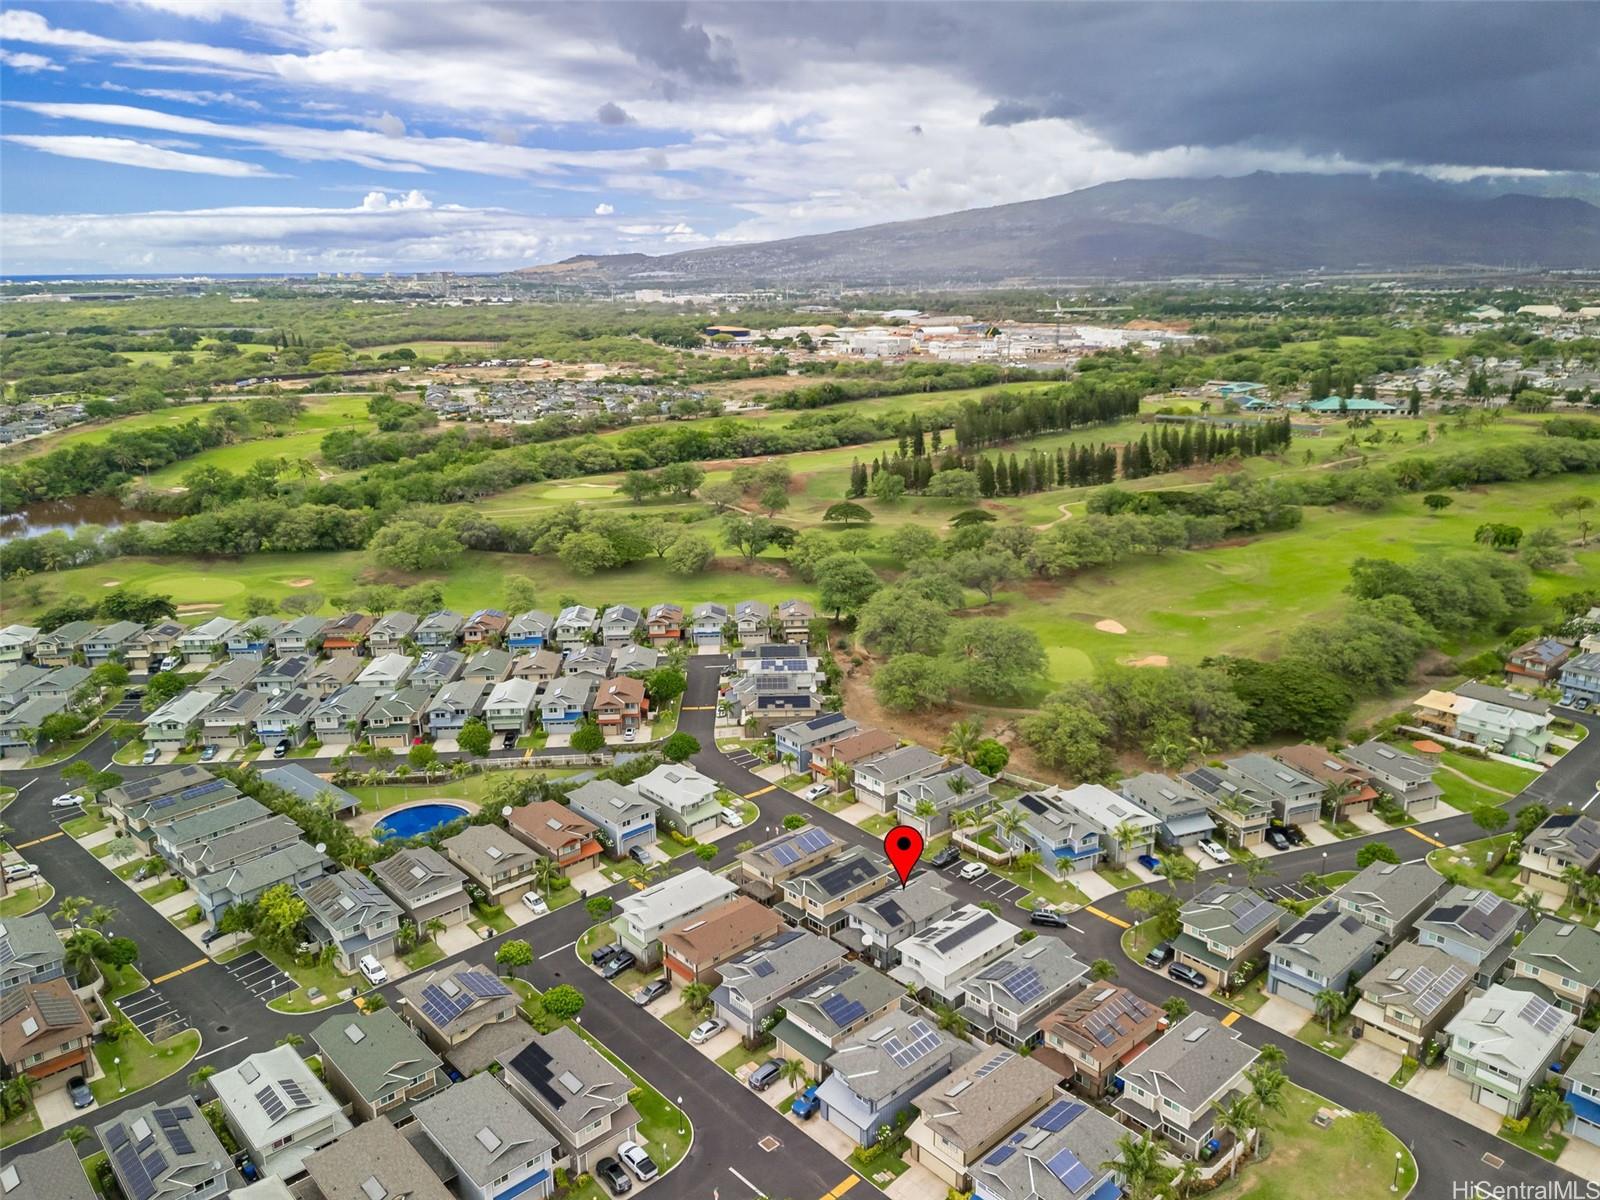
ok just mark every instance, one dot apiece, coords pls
pixel 94 433
pixel 301 441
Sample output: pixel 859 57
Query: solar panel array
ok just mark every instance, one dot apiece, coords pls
pixel 1546 1018
pixel 1249 911
pixel 171 1122
pixel 762 967
pixel 1432 990
pixel 1021 981
pixel 792 850
pixel 1104 1024
pixel 271 1103
pixel 138 1173
pixel 994 1064
pixel 1058 1116
pixel 923 1041
pixel 1064 1165
pixel 951 940
pixel 842 1010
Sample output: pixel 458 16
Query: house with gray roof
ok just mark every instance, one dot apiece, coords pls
pixel 755 982
pixel 252 638
pixel 287 718
pixel 966 1114
pixel 495 860
pixel 1326 950
pixel 644 916
pixel 491 664
pixel 296 865
pixel 439 630
pixel 396 720
pixel 374 1161
pixel 454 705
pixel 1175 1088
pixel 312 788
pixel 878 1072
pixel 753 618
pixel 178 839
pixel 113 640
pixel 635 660
pixel 51 1173
pixel 706 624
pixel 494 1145
pixel 237 674
pixel 577 1094
pixel 376 1063
pixel 299 636
pixel 1241 812
pixel 425 886
pixel 339 718
pixel 333 674
pixel 1475 925
pixel 166 797
pixel 1559 961
pixel 529 630
pixel 146 651
pixel 821 1014
pixel 796 740
pixel 19 728
pixel 620 623
pixel 1582 1083
pixel 452 1005
pixel 230 723
pixel 593 662
pixel 1407 999
pixel 509 705
pixel 282 676
pixel 1502 1044
pixel 1390 897
pixel 56 648
pixel 926 802
pixel 624 818
pixel 1562 841
pixel 1224 928
pixel 565 702
pixel 1183 810
pixel 60 683
pixel 818 896
pixel 875 927
pixel 1059 1155
pixel 1406 779
pixel 279 1111
pixel 879 779
pixel 18 682
pixel 1008 1000
pixel 350 913
pixel 388 670
pixel 389 632
pixel 30 952
pixel 574 626
pixel 16 642
pixel 164 1152
pixel 237 846
pixel 437 668
pixel 1296 797
pixel 941 958
pixel 177 722
pixel 206 640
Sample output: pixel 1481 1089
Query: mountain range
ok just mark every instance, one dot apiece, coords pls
pixel 1272 224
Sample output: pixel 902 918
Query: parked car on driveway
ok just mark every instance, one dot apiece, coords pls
pixel 209 753
pixel 651 992
pixel 1213 851
pixel 150 756
pixel 601 954
pixel 79 1092
pixel 707 1030
pixel 1151 863
pixel 805 1104
pixel 1296 835
pixel 613 1176
pixel 1277 839
pixel 617 964
pixel 639 855
pixel 281 749
pixel 1184 973
pixel 766 1074
pixel 1160 955
pixel 636 1160
pixel 535 904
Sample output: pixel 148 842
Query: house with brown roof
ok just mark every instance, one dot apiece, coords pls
pixel 663 625
pixel 347 632
pixel 44 1032
pixel 794 619
pixel 620 704
pixel 695 949
pixel 851 749
pixel 1356 791
pixel 555 832
pixel 1089 1038
pixel 486 627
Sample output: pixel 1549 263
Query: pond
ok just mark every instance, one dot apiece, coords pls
pixel 416 820
pixel 68 515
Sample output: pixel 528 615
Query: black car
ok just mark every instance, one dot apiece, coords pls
pixel 1046 916
pixel 509 742
pixel 1184 973
pixel 600 954
pixel 210 936
pixel 615 1178
pixel 1297 835
pixel 79 1091
pixel 766 1075
pixel 651 992
pixel 617 964
pixel 1277 839
pixel 947 857
pixel 1160 955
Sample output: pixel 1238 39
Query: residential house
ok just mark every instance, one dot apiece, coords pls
pixel 298 781
pixel 706 625
pixel 386 671
pixel 147 650
pixel 1125 830
pixel 110 642
pixel 166 796
pixel 755 982
pixel 927 802
pixel 940 959
pixel 332 674
pixel 494 1145
pixel 303 635
pixel 965 1115
pixel 694 950
pixel 874 928
pixel 794 742
pixel 425 886
pixel 834 761
pixel 1176 1087
pixel 753 619
pixel 1057 833
pixel 574 625
pixel 685 800
pixel 177 722
pixel 486 627
pixel 16 642
pixel 635 660
pixel 283 674
pixel 396 721
pixel 1091 1035
pixel 1008 1000
pixel 565 702
pixel 646 915
pixel 1565 842
pixel 878 780
pixel 1181 809
pixel 1497 719
pixel 237 846
pixel 1225 931
pixel 1580 677
pixel 451 1005
pixel 375 1063
pixel 1296 799
pixel 347 633
pixel 620 706
pixel 1403 777
pixel 1539 662
pixel 1352 790
pixel 437 668
pixel 60 684
pixel 538 667
pixel 1406 1000
pixel 339 719
pixel 491 664
pixel 1560 962
pixel 776 685
pixel 624 819
pixel 1390 897
pixel 619 625
pixel 30 952
pixel 53 1172
pixel 820 1016
pixel 167 1152
pixel 529 630
pixel 1326 950
pixel 19 682
pixel 389 634
pixel 509 705
pixel 492 858
pixel 1502 1043
pixel 374 1161
pixel 439 630
pixel 295 866
pixel 1237 805
pixel 252 638
pixel 793 619
pixel 761 870
pixel 1582 1083
pixel 286 719
pixel 555 832
pixel 279 1111
pixel 58 647
pixel 1061 1155
pixel 19 728
pixel 230 723
pixel 44 1033
pixel 184 837
pixel 576 1093
pixel 663 625
pixel 1476 926
pixel 590 662
pixel 349 912
pixel 235 675
pixel 454 705
pixel 203 642
pixel 819 896
pixel 877 1074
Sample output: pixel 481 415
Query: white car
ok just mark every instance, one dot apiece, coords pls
pixel 707 1030
pixel 20 870
pixel 169 662
pixel 150 756
pixel 973 870
pixel 815 792
pixel 636 1160
pixel 535 904
pixel 628 735
pixel 66 800
pixel 1213 851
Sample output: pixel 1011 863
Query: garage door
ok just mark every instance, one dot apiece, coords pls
pixel 1494 1102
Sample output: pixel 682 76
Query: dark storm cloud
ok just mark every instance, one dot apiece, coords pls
pixel 612 114
pixel 663 36
pixel 1011 112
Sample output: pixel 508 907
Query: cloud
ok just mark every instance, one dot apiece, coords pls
pixel 200 97
pixel 1010 112
pixel 612 114
pixel 28 64
pixel 603 210
pixel 389 125
pixel 129 153
pixel 413 200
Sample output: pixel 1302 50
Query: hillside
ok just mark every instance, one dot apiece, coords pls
pixel 1260 223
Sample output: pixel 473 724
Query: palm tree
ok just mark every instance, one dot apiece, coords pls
pixel 1203 747
pixel 926 809
pixel 962 739
pixel 1176 1008
pixel 793 1072
pixel 1238 1117
pixel 545 874
pixel 1255 868
pixel 1188 1175
pixel 1169 753
pixel 79 955
pixel 70 907
pixel 1139 1163
pixel 1125 835
pixel 100 916
pixel 1549 1108
pixel 74 1134
pixel 696 995
pixel 842 774
pixel 435 927
pixel 1576 879
pixel 1273 1055
pixel 1178 868
pixel 1028 861
pixel 1267 1087
pixel 1330 1006
pixel 197 1079
pixel 1007 821
pixel 1334 792
pixel 291 1039
pixel 1102 969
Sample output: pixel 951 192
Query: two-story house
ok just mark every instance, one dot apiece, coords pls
pixel 1406 1000
pixel 16 642
pixel 555 832
pixel 663 625
pixel 110 642
pixel 575 625
pixel 58 647
pixel 1563 843
pixel 390 633
pixel 237 846
pixel 529 630
pixel 486 627
pixel 620 706
pixel 1182 811
pixel 509 706
pixel 875 927
pixel 375 1062
pixel 1089 1036
pixel 624 818
pixel 1406 779
pixel 1236 804
pixel 1475 926
pixel 693 951
pixel 1582 1083
pixel 252 638
pixel 878 779
pixel 287 718
pixel 822 1014
pixel 350 913
pixel 494 1145
pixel 592 662
pixel 538 667
pixel 1326 950
pixel 44 1033
pixel 619 625
pixel 373 1160
pixel 565 702
pixel 340 719
pixel 1349 786
pixel 395 721
pixel 437 668
pixel 165 1151
pixel 1390 897
pixel 706 625
pixel 576 1093
pixel 793 620
pixel 753 619
pixel 877 1073
pixel 52 1172
pixel 452 1005
pixel 1225 931
pixel 1008 1000
pixel 312 788
pixel 644 916
pixel 454 705
pixel 490 664
pixel 1559 961
pixel 926 803
pixel 1063 840
pixel 761 870
pixel 147 650
pixel 1538 663
pixel 755 982
pixel 177 722
pixel 964 1115
pixel 1502 1043
pixel 332 674
pixel 230 723
pixel 1062 1154
pixel 425 886
pixel 438 630
pixel 940 959
pixel 295 866
pixel 1176 1087
pixel 30 952
pixel 346 633
pixel 283 675
pixel 278 1110
pixel 795 741
pixel 303 635
pixel 492 858
pixel 231 675
pixel 834 760
pixel 1296 799
pixel 635 660
pixel 819 896
pixel 685 800
pixel 203 642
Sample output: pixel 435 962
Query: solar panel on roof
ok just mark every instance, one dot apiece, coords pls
pixel 951 940
pixel 924 1039
pixel 271 1103
pixel 809 841
pixel 762 967
pixel 993 1065
pixel 1000 1154
pixel 294 1092
pixel 1032 803
pixel 1546 1018
pixel 1064 1165
pixel 482 985
pixel 1058 1116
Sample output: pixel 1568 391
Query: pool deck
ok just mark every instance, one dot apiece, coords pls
pixel 367 823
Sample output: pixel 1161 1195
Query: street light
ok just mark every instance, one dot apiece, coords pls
pixel 680 1116
pixel 1395 1186
pixel 116 1061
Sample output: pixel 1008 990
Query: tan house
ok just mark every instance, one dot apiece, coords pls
pixel 818 897
pixel 1563 842
pixel 695 949
pixel 620 704
pixel 849 750
pixel 793 618
pixel 1090 1037
pixel 1408 998
pixel 44 1033
pixel 762 870
pixel 555 832
pixel 1560 961
pixel 1357 794
pixel 347 632
pixel 491 857
pixel 965 1115
pixel 663 625
pixel 450 1005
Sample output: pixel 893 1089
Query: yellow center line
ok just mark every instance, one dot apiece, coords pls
pixel 771 787
pixel 1105 916
pixel 698 707
pixel 200 962
pixel 1230 1019
pixel 842 1188
pixel 1417 833
pixel 49 837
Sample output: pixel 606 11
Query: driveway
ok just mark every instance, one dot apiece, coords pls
pixel 1282 1015
pixel 1581 1158
pixel 1319 834
pixel 1093 884
pixel 1373 1059
pixel 1436 1087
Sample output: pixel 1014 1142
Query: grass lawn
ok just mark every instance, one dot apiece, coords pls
pixel 473 789
pixel 1043 890
pixel 92 821
pixel 129 754
pixel 682 1019
pixel 24 1125
pixel 143 1062
pixel 1461 794
pixel 663 1128
pixel 1315 1034
pixel 739 1056
pixel 1548 1145
pixel 1489 772
pixel 163 890
pixel 1468 862
pixel 325 979
pixel 1138 940
pixel 131 868
pixel 491 916
pixel 1248 999
pixel 1120 876
pixel 426 954
pixel 880 825
pixel 19 903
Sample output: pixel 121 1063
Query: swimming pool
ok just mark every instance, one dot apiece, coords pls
pixel 419 818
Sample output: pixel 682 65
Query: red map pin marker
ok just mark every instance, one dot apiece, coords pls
pixel 903 845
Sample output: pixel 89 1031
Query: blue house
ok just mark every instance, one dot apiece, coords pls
pixel 1327 950
pixel 799 738
pixel 1580 679
pixel 565 701
pixel 1064 841
pixel 529 630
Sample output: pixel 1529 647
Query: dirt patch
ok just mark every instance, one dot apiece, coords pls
pixel 1107 625
pixel 111 583
pixel 1150 660
pixel 1066 515
pixel 197 608
pixel 305 581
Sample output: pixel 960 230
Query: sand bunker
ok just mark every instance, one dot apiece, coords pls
pixel 1110 626
pixel 195 608
pixel 301 582
pixel 1150 660
pixel 111 583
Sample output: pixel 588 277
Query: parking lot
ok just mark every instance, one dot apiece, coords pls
pixel 260 976
pixel 743 758
pixel 152 1014
pixel 1292 891
pixel 998 888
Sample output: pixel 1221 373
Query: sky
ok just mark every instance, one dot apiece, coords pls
pixel 187 136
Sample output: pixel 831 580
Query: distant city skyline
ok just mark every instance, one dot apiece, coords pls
pixel 358 135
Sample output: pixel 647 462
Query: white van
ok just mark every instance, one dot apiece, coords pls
pixel 373 970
